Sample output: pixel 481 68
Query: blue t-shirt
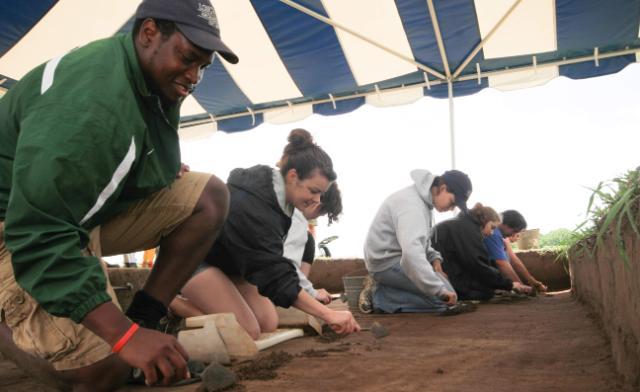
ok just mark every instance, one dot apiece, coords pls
pixel 495 246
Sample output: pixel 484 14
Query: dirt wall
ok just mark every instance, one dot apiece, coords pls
pixel 328 273
pixel 325 273
pixel 546 267
pixel 612 290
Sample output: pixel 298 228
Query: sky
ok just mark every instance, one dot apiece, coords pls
pixel 536 150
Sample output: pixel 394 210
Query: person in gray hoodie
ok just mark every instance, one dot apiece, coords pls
pixel 406 271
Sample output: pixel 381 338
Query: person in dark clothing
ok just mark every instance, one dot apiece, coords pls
pixel 465 258
pixel 245 271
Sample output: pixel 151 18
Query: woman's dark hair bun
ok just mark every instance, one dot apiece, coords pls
pixel 300 138
pixel 304 155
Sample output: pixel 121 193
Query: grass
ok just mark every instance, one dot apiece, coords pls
pixel 556 239
pixel 612 209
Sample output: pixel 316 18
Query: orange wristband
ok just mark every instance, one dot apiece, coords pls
pixel 125 338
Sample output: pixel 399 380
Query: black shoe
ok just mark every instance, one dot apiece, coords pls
pixel 459 308
pixel 499 299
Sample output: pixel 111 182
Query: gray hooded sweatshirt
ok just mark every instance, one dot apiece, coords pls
pixel 400 234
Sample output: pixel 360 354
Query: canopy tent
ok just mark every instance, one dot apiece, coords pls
pixel 299 57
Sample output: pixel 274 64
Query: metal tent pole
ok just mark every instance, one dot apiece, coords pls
pixel 485 39
pixel 436 30
pixel 452 126
pixel 339 26
pixel 447 70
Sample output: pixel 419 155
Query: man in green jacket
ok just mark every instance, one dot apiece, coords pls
pixel 90 166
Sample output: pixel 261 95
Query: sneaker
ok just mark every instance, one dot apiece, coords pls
pixel 508 297
pixel 502 293
pixel 365 302
pixel 510 294
pixel 499 299
pixel 515 296
pixel 459 308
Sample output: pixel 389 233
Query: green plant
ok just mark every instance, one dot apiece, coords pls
pixel 555 238
pixel 613 206
pixel 559 242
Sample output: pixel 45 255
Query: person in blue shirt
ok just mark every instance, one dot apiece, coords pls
pixel 498 245
pixel 466 262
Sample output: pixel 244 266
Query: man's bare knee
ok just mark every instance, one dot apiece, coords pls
pixel 214 201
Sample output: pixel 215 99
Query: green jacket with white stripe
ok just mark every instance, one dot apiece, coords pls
pixel 81 138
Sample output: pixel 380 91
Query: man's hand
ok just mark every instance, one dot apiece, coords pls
pixel 151 351
pixel 342 322
pixel 147 350
pixel 323 296
pixel 184 168
pixel 521 288
pixel 450 298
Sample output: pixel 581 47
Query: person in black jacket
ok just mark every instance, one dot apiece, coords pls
pixel 465 258
pixel 245 271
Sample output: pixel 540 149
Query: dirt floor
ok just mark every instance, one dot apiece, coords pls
pixel 545 343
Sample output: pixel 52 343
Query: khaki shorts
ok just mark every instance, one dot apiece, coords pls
pixel 60 341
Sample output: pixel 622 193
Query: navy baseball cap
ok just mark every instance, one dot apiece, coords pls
pixel 459 184
pixel 196 19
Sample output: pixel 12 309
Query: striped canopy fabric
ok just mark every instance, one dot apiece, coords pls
pixel 299 57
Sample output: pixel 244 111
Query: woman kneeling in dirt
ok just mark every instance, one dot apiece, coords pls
pixel 467 264
pixel 245 272
pixel 405 272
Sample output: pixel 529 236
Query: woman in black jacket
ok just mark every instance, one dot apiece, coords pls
pixel 465 258
pixel 245 272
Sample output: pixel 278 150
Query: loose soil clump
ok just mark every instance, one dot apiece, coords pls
pixel 264 368
pixel 313 353
pixel 328 335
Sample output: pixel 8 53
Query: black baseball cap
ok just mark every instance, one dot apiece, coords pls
pixel 196 19
pixel 459 184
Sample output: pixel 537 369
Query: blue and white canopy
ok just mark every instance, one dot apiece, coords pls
pixel 299 57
